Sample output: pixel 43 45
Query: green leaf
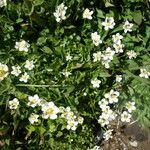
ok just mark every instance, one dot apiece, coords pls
pixel 41 40
pixel 28 8
pixel 30 129
pixel 104 74
pixel 108 4
pixel 41 130
pixel 137 17
pixel 47 50
pixel 38 2
pixel 100 13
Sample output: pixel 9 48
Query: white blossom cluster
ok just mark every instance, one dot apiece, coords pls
pixel 72 120
pixel 108 114
pixel 49 109
pixel 106 56
pixel 118 46
pixel 126 115
pixel 60 13
pixel 16 71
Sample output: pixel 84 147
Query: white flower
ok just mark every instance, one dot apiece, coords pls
pixel 16 70
pixel 85 94
pixel 108 23
pixel 96 38
pixel 33 118
pixel 118 47
pixel 97 56
pixel 108 54
pixel 106 63
pixel 131 54
pixel 3 3
pixel 96 83
pixel 3 71
pixel 108 134
pixel 66 73
pixel 72 124
pixel 127 26
pixel 29 65
pixel 60 12
pixel 87 14
pixel 34 100
pixel 102 121
pixel 80 120
pixel 118 78
pixel 103 103
pixel 117 38
pixel 107 113
pixel 13 104
pixel 130 106
pixel 22 46
pixel 50 110
pixel 24 78
pixel 125 117
pixel 144 73
pixel 68 114
pixel 68 57
pixel 112 96
pixel 96 148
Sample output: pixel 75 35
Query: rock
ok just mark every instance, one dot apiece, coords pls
pixel 134 143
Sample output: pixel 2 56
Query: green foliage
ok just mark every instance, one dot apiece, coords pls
pixel 50 42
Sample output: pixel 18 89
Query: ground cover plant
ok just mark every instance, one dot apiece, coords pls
pixel 70 69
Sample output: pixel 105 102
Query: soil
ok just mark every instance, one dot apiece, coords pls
pixel 130 137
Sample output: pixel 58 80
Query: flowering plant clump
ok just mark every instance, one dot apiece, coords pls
pixel 69 69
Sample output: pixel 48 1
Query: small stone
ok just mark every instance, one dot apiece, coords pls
pixel 134 143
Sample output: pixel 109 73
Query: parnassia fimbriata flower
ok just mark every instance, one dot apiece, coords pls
pixel 131 54
pixel 125 116
pixel 144 73
pixel 34 101
pixel 96 83
pixel 108 134
pixel 130 106
pixel 118 78
pixel 29 64
pixel 117 38
pixel 97 56
pixel 33 118
pixel 13 104
pixel 50 110
pixel 112 96
pixel 3 71
pixel 127 26
pixel 108 23
pixel 96 38
pixel 3 3
pixel 16 70
pixel 87 14
pixel 60 12
pixel 22 46
pixel 24 78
